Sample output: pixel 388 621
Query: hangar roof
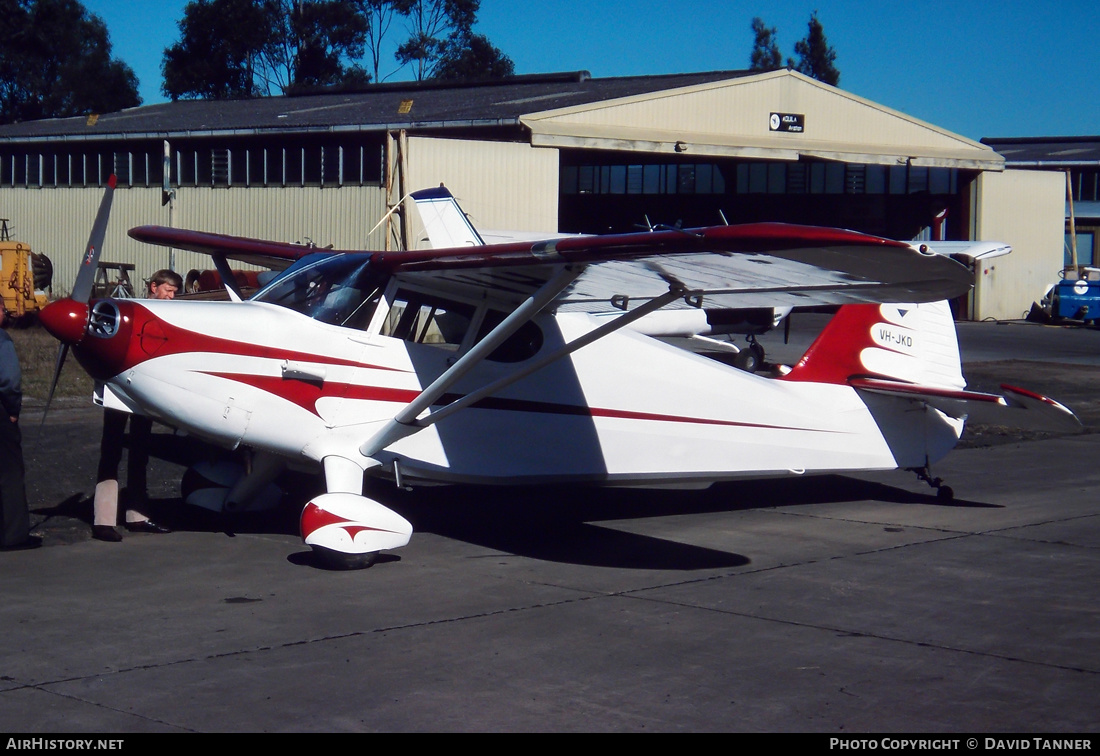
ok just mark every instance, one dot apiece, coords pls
pixel 716 113
pixel 1053 152
pixel 371 108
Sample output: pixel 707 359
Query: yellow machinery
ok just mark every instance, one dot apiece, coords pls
pixel 24 276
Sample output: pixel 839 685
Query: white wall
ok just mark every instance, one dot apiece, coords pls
pixel 499 185
pixel 1027 210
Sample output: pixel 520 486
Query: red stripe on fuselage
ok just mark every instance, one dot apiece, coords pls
pixel 306 395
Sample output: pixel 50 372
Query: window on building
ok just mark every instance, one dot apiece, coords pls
pixel 1086 185
pixel 220 173
pixel 1085 242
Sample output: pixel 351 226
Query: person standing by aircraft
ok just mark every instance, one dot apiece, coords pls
pixel 163 285
pixel 15 523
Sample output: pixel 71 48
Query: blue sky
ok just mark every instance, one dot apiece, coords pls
pixel 1010 68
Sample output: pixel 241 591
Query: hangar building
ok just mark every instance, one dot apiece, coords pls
pixel 1078 158
pixel 555 152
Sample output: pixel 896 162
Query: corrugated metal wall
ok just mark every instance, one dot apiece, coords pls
pixel 1027 210
pixel 57 221
pixel 500 185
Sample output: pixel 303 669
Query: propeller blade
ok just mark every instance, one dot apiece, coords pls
pixel 61 355
pixel 85 276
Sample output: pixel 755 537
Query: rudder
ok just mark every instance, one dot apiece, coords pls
pixel 901 342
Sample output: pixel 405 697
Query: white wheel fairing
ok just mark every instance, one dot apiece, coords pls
pixel 352 524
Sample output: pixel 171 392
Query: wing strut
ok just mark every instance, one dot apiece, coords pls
pixel 582 341
pixel 403 424
pixel 228 278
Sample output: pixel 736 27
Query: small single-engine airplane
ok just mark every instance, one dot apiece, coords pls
pixel 515 363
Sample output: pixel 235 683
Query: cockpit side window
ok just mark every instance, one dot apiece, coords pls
pixel 426 319
pixel 522 345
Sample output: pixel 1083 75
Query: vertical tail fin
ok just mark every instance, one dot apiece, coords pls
pixel 444 221
pixel 901 342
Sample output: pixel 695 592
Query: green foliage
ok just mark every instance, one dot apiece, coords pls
pixel 472 56
pixel 815 57
pixel 326 34
pixel 55 61
pixel 442 44
pixel 207 62
pixel 248 48
pixel 765 51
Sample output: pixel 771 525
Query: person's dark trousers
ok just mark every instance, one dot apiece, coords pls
pixel 13 492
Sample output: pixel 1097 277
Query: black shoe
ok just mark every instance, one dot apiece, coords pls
pixel 106 533
pixel 146 526
pixel 32 542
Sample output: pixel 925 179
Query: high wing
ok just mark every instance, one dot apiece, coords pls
pixel 269 254
pixel 752 265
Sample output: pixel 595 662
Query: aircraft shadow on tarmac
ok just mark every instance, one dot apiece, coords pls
pixel 552 523
pixel 563 523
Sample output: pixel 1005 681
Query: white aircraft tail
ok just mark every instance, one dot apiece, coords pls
pixel 444 221
pixel 447 225
pixel 909 343
pixel 899 356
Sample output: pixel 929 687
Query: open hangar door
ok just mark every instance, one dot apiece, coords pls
pixel 606 191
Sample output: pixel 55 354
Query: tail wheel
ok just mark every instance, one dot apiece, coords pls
pixel 750 358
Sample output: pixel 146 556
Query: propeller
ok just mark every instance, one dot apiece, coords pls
pixel 67 319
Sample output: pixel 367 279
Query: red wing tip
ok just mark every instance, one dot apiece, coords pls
pixel 112 181
pixel 1025 392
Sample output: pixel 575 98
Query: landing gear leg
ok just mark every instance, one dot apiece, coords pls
pixel 925 474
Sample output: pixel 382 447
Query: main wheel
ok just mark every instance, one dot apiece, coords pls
pixel 339 560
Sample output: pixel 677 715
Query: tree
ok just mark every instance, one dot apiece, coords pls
pixel 55 61
pixel 442 44
pixel 765 52
pixel 319 37
pixel 248 48
pixel 208 63
pixel 815 56
pixel 472 56
pixel 429 23
pixel 379 16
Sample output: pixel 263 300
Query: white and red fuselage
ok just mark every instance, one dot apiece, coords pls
pixel 630 411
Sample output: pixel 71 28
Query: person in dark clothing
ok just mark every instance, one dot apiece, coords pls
pixel 163 285
pixel 15 527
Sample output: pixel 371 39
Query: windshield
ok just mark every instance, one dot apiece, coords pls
pixel 339 289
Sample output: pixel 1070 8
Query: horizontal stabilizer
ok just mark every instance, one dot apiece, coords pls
pixel 1017 408
pixel 967 251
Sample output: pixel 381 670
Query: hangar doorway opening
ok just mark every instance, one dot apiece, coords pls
pixel 616 192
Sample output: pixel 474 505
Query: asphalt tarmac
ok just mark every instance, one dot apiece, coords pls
pixel 837 604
